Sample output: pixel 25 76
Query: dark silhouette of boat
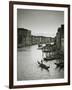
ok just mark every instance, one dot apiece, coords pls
pixel 43 65
pixel 39 45
pixel 60 65
pixel 57 64
pixel 50 58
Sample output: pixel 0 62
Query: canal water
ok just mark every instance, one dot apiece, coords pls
pixel 28 68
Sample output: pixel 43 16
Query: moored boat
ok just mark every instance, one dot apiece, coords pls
pixel 47 59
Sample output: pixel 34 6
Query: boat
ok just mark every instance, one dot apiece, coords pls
pixel 39 45
pixel 61 65
pixel 43 65
pixel 47 59
pixel 48 52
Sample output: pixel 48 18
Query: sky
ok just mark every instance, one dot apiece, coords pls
pixel 40 22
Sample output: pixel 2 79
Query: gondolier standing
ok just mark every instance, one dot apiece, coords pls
pixel 41 61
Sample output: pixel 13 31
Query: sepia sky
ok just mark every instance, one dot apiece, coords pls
pixel 40 22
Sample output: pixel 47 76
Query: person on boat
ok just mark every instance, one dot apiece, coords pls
pixel 41 61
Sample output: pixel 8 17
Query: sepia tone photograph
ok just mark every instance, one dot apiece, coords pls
pixel 40 44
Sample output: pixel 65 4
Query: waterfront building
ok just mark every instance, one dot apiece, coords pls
pixel 60 38
pixel 55 50
pixel 41 40
pixel 23 37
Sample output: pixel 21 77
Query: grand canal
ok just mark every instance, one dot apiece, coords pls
pixel 28 68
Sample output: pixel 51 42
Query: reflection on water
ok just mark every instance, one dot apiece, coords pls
pixel 28 68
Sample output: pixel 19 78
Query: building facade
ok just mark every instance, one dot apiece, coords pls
pixel 60 38
pixel 41 40
pixel 23 37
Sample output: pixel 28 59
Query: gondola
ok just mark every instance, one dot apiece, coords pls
pixel 59 64
pixel 39 45
pixel 43 65
pixel 47 59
